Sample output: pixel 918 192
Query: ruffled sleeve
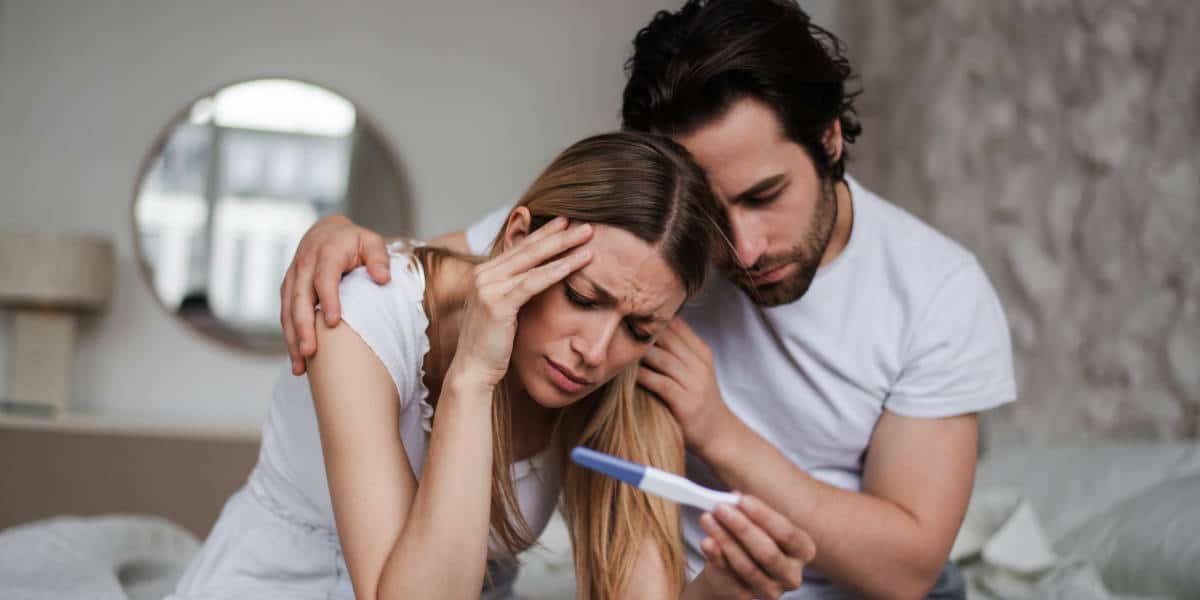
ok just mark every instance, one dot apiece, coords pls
pixel 391 320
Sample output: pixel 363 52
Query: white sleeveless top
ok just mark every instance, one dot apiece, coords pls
pixel 391 319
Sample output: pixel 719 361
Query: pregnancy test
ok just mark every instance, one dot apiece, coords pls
pixel 655 481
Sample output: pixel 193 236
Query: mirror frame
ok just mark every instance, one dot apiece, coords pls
pixel 224 336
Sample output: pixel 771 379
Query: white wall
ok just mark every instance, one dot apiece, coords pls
pixel 474 96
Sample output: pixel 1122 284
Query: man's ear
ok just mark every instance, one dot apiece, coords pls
pixel 516 228
pixel 832 140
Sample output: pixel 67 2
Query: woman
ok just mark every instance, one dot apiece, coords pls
pixel 444 403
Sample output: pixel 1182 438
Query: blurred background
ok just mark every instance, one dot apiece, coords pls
pixel 471 100
pixel 1053 138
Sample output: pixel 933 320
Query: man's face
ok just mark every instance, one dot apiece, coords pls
pixel 781 210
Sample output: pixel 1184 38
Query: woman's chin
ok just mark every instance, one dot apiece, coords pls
pixel 549 396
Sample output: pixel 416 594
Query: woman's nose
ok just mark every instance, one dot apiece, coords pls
pixel 593 341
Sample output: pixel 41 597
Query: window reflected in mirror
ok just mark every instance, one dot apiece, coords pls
pixel 235 182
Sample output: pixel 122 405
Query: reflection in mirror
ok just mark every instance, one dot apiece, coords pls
pixel 233 184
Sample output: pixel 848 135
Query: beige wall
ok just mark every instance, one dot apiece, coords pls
pixel 1058 141
pixel 474 97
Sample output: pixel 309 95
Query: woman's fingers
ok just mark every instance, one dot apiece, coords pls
pixel 536 280
pixel 556 225
pixel 530 254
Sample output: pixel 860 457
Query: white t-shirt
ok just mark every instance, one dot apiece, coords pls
pixel 904 320
pixel 391 320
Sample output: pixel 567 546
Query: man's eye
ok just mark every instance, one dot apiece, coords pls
pixel 577 299
pixel 760 201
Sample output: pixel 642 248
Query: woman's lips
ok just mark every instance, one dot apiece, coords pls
pixel 564 379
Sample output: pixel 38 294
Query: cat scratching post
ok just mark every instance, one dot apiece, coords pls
pixel 47 280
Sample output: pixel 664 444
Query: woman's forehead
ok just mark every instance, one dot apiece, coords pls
pixel 632 272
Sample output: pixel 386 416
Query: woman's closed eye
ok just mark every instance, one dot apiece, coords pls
pixel 639 336
pixel 578 299
pixel 586 303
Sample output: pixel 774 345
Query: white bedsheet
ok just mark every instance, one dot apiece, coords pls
pixel 93 558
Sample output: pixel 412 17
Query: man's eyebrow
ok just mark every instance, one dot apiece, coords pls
pixel 758 188
pixel 606 297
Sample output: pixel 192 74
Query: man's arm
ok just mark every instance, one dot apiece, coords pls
pixel 456 241
pixel 889 541
pixel 892 539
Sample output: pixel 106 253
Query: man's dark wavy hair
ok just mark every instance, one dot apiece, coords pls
pixel 689 66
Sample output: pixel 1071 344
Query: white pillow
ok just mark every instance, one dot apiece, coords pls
pixel 1147 544
pixel 1068 485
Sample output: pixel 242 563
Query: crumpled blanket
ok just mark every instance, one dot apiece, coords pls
pixel 94 558
pixel 1005 553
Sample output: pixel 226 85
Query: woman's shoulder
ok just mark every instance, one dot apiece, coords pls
pixel 390 318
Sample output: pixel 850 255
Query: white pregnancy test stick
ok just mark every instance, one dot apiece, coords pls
pixel 654 481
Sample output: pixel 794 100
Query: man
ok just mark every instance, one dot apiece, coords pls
pixel 836 372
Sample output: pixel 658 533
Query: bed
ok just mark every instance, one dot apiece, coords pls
pixel 99 514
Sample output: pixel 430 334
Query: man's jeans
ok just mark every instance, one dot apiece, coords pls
pixel 950 586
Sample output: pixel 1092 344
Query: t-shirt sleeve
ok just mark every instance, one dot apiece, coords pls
pixel 481 235
pixel 391 320
pixel 959 355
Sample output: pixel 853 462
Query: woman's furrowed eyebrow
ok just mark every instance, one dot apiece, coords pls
pixel 606 297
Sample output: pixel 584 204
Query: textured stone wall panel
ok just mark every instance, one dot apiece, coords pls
pixel 1059 141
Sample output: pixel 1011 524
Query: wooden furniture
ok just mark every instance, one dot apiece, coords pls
pixel 48 280
pixel 79 466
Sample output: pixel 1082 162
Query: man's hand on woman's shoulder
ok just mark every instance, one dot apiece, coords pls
pixel 330 248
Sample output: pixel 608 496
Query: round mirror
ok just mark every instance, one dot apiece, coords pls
pixel 232 184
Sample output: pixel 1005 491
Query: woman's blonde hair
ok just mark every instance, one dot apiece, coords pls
pixel 646 185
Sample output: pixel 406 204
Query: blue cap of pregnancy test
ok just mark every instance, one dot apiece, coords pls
pixel 631 473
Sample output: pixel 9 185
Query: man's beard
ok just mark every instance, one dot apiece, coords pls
pixel 807 254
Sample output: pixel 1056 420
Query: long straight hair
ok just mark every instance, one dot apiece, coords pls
pixel 646 185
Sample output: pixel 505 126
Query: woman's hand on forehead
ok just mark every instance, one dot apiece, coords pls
pixel 502 285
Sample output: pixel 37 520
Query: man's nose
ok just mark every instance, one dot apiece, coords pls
pixel 748 240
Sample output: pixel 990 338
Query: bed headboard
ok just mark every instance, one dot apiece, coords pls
pixel 81 468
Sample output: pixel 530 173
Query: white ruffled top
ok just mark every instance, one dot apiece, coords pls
pixel 391 319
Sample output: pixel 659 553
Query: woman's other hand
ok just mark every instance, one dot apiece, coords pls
pixel 330 248
pixel 502 285
pixel 752 551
